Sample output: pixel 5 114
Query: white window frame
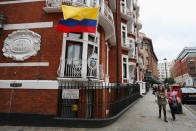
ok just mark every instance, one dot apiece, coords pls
pixel 131 7
pixel 85 42
pixel 123 25
pixel 133 45
pixel 123 8
pixel 131 74
pixel 126 57
pixel 96 45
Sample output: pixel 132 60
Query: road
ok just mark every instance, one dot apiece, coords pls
pixel 191 107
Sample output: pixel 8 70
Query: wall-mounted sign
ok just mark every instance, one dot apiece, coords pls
pixel 70 94
pixel 21 44
pixel 15 84
pixel 92 61
pixel 74 107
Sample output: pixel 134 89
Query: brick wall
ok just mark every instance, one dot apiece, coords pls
pixel 112 55
pixel 181 67
pixel 29 101
pixel 51 42
pixel 103 50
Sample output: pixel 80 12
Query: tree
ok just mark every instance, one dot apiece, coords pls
pixel 169 80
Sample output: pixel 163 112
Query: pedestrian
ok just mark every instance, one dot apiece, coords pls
pixel 172 100
pixel 161 98
pixel 155 88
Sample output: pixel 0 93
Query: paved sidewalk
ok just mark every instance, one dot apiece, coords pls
pixel 143 116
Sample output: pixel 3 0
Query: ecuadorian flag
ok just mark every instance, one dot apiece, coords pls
pixel 77 19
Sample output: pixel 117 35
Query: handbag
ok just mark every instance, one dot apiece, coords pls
pixel 174 104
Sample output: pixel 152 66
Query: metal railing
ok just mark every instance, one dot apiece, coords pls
pixel 73 69
pixel 97 101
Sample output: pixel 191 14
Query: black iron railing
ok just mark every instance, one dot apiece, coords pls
pixel 95 100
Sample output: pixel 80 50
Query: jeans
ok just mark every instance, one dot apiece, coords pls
pixel 164 111
pixel 173 111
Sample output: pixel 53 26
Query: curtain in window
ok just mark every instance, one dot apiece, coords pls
pixel 74 54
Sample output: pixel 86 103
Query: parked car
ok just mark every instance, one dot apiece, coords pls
pixel 188 94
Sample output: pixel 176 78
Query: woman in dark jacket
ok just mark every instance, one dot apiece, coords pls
pixel 161 99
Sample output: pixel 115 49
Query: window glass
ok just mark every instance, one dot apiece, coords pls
pixel 124 33
pixel 74 53
pixel 75 35
pixel 123 6
pixel 124 70
pixel 93 3
pixel 82 1
pixel 124 67
pixel 91 38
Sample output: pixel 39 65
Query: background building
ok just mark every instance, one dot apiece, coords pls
pixel 172 69
pixel 37 63
pixel 185 71
pixel 163 70
pixel 150 61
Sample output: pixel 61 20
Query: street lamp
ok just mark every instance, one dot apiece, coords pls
pixel 3 20
pixel 165 69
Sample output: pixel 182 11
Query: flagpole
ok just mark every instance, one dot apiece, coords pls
pixel 96 31
pixel 95 39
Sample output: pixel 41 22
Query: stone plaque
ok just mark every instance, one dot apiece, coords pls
pixel 21 44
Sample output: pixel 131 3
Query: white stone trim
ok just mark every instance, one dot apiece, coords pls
pixel 131 64
pixel 19 1
pixel 24 64
pixel 28 25
pixel 78 80
pixel 62 59
pixel 30 84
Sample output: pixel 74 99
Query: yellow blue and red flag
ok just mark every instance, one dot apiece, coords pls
pixel 78 19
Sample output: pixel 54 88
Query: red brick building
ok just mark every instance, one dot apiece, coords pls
pixel 36 61
pixel 184 67
pixel 150 61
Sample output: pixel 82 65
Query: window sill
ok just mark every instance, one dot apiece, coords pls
pixel 79 79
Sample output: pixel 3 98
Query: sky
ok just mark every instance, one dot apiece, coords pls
pixel 171 24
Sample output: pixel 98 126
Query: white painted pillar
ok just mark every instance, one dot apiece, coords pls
pixel 62 59
pixel 84 55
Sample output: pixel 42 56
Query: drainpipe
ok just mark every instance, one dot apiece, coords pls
pixel 117 45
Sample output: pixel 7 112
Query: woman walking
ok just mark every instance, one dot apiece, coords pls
pixel 161 98
pixel 172 95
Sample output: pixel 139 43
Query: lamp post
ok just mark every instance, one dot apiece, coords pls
pixel 3 20
pixel 165 69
